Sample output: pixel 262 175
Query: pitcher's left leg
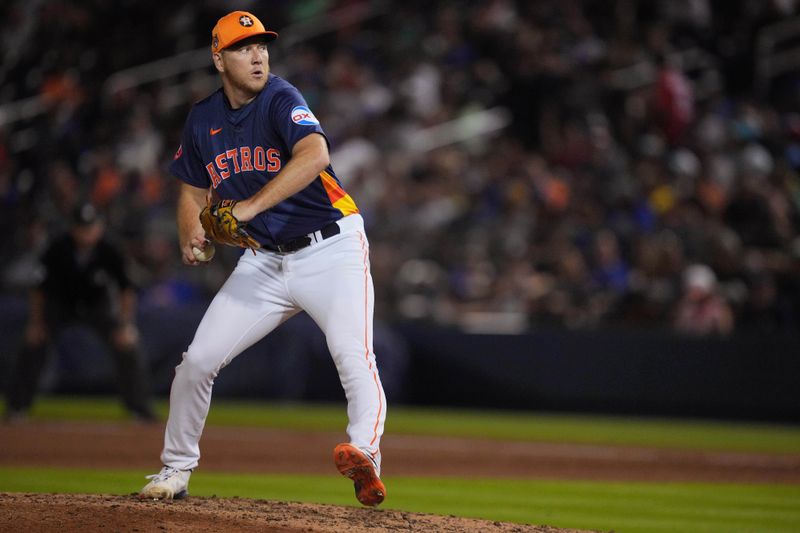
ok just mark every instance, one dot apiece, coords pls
pixel 334 285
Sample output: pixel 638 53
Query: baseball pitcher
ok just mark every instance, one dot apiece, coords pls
pixel 259 147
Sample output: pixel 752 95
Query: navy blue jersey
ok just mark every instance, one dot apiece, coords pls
pixel 237 151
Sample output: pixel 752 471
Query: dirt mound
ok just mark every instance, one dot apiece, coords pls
pixel 81 513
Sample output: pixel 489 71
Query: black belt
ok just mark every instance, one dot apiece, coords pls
pixel 298 243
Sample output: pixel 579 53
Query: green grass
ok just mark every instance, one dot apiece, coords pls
pixel 686 434
pixel 623 507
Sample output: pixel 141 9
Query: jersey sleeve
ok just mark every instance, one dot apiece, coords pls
pixel 292 118
pixel 186 163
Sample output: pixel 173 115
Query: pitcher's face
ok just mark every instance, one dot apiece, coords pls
pixel 245 65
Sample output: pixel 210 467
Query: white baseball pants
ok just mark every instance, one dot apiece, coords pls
pixel 331 281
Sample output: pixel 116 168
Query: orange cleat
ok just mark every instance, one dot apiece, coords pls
pixel 357 465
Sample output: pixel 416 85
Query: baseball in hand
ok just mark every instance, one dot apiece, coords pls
pixel 206 254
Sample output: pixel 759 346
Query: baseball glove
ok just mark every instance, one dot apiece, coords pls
pixel 221 226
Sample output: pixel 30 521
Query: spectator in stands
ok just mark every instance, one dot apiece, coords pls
pixel 674 99
pixel 701 310
pixel 610 271
pixel 632 121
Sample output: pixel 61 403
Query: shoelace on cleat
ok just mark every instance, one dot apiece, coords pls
pixel 165 474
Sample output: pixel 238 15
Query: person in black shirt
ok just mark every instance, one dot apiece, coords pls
pixel 85 282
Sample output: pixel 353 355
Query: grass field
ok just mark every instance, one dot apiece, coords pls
pixel 621 506
pixel 581 429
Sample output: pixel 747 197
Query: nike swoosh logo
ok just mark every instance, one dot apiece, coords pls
pixel 214 132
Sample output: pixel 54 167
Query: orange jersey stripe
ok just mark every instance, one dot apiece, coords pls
pixel 331 187
pixel 338 197
pixel 346 205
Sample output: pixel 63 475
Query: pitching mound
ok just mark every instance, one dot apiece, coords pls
pixel 81 513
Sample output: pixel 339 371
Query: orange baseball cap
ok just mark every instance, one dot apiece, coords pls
pixel 234 27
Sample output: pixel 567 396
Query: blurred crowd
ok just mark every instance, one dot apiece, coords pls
pixel 648 175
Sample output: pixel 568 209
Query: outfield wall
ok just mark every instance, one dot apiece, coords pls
pixel 622 371
pixel 606 371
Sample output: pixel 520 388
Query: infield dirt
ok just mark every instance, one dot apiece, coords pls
pixel 35 513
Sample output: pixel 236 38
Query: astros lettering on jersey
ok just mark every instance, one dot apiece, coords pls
pixel 237 151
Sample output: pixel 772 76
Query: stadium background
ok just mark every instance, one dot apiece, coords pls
pixel 542 182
